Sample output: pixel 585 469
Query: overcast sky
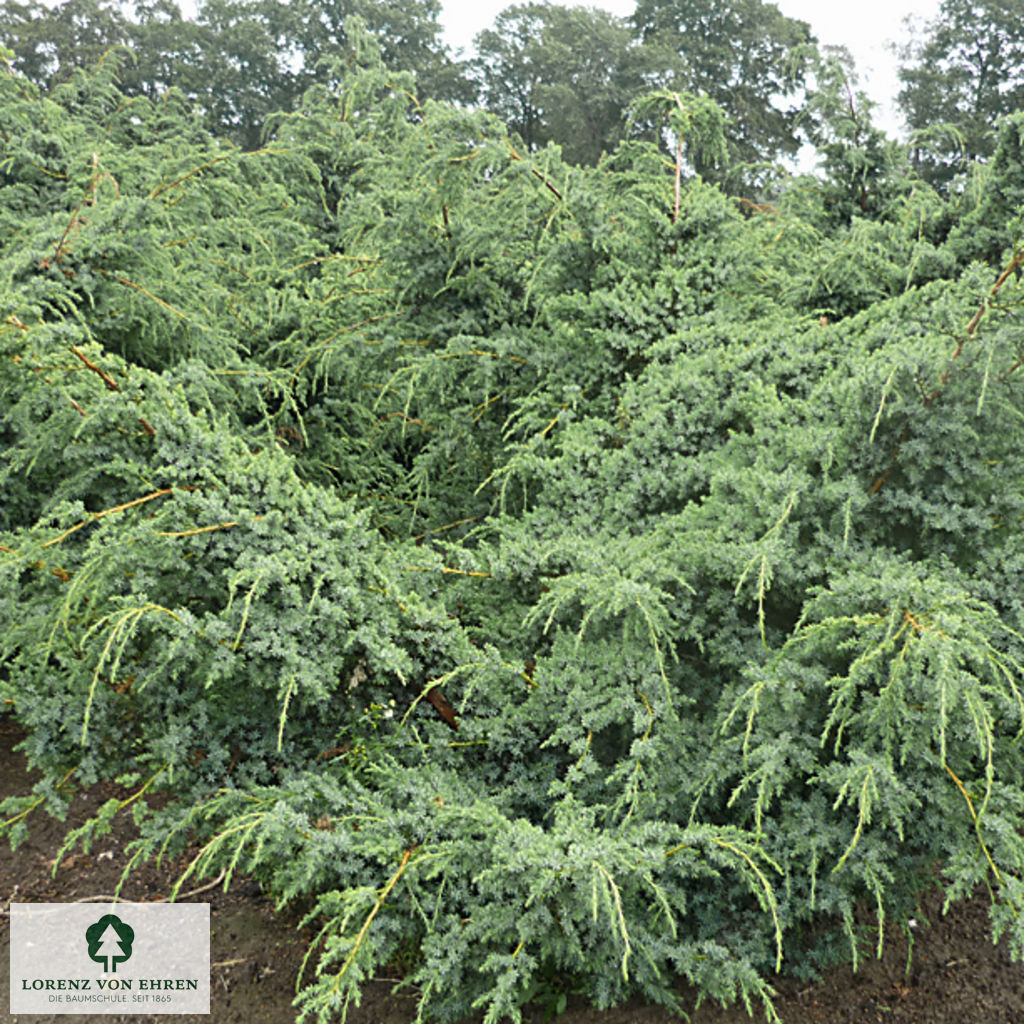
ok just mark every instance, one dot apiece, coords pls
pixel 866 27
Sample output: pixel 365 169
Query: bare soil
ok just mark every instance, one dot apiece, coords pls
pixel 956 975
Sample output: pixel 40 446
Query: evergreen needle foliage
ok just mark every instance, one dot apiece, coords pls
pixel 704 516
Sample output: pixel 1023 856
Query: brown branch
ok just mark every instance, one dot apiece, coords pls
pixel 533 170
pixel 112 385
pixel 972 326
pixel 408 419
pixel 976 319
pixel 749 204
pixel 450 526
pixel 204 529
pixel 198 530
pixel 678 180
pixel 447 571
pixel 879 482
pixel 1017 364
pixel 107 379
pixel 108 512
pixel 147 293
pixel 59 247
pixel 442 707
pixel 908 617
pixel 194 171
pixel 547 184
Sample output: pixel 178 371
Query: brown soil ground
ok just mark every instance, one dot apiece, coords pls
pixel 957 975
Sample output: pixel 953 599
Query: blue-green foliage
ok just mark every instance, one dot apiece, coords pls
pixel 708 526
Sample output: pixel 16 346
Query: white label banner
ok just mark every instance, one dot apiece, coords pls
pixel 110 958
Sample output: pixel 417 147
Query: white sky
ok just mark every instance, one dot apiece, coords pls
pixel 865 27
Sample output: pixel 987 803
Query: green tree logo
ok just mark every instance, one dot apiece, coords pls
pixel 110 941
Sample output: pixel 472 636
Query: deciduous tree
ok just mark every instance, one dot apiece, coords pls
pixel 50 42
pixel 238 60
pixel 859 162
pixel 746 56
pixel 963 75
pixel 561 74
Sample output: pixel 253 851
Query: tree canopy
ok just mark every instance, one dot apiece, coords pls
pixel 238 60
pixel 959 79
pixel 746 56
pixel 556 74
pixel 561 74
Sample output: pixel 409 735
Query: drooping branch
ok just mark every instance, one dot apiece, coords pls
pixel 111 384
pixel 1018 258
pixel 972 326
pixel 533 170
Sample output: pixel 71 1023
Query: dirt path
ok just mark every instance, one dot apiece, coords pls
pixel 957 975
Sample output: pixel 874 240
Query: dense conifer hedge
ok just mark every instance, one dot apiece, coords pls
pixel 558 586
